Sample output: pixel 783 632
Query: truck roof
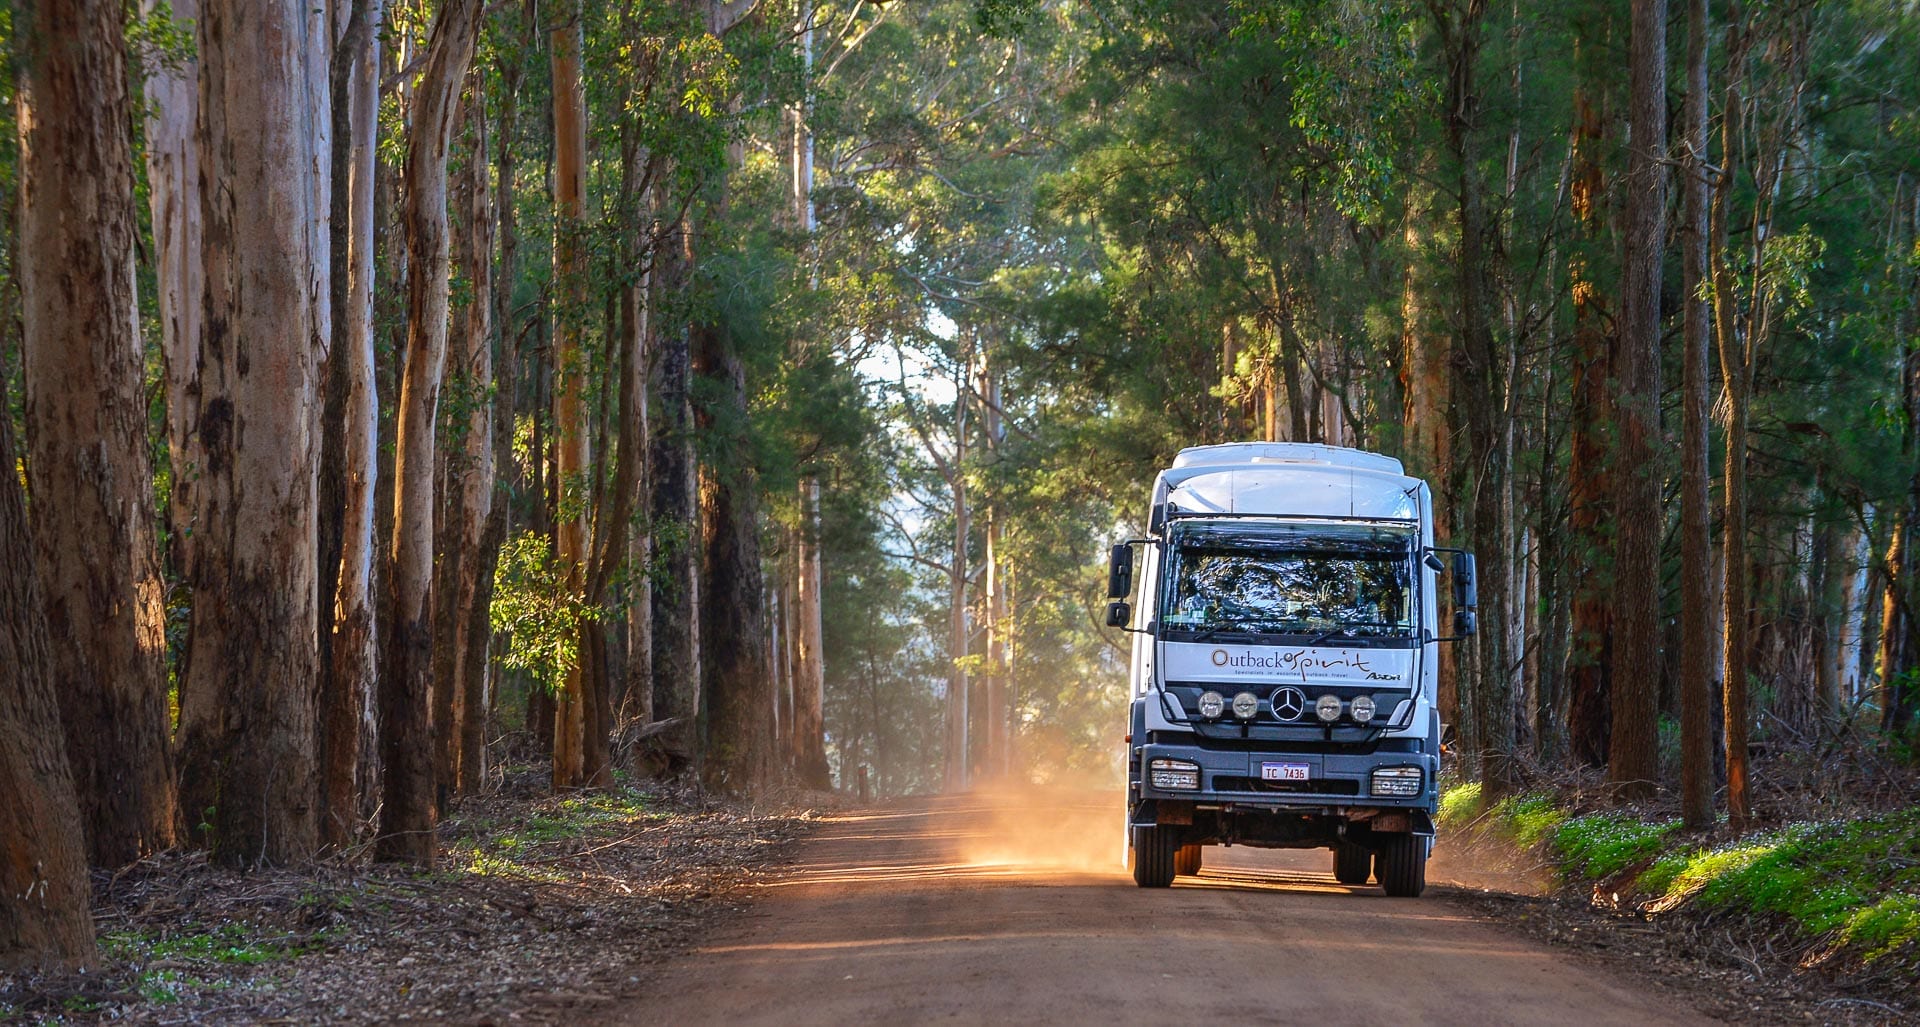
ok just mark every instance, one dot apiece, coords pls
pixel 1285 479
pixel 1254 453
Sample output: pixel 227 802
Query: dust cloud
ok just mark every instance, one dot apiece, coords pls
pixel 1471 861
pixel 1023 827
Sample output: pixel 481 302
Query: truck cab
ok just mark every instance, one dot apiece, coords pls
pixel 1285 633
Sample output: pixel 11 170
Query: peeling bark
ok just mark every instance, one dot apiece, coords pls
pixel 247 725
pixel 86 421
pixel 407 816
pixel 45 896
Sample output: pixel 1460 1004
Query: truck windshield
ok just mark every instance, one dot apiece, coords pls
pixel 1341 583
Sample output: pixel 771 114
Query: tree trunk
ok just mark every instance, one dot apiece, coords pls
pixel 247 725
pixel 807 725
pixel 173 184
pixel 995 723
pixel 45 897
pixel 956 708
pixel 86 421
pixel 1736 376
pixel 1633 760
pixel 1696 514
pixel 1589 659
pixel 570 408
pixel 614 529
pixel 1899 649
pixel 407 816
pixel 390 314
pixel 994 719
pixel 676 596
pixel 350 437
pixel 738 683
pixel 1488 718
pixel 1424 385
pixel 636 709
pixel 809 676
pixel 474 465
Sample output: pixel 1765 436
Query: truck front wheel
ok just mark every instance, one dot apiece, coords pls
pixel 1351 863
pixel 1401 866
pixel 1186 862
pixel 1154 850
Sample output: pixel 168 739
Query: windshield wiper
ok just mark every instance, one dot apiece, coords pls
pixel 1214 630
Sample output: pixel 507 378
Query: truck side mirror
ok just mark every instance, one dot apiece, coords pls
pixel 1465 623
pixel 1120 571
pixel 1466 592
pixel 1119 614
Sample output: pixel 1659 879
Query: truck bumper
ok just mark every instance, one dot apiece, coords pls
pixel 1338 785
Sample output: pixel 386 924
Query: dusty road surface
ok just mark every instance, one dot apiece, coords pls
pixel 1004 911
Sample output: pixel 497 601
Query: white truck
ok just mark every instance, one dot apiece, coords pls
pixel 1285 656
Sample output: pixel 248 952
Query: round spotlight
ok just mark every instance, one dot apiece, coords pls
pixel 1245 705
pixel 1211 704
pixel 1361 708
pixel 1327 708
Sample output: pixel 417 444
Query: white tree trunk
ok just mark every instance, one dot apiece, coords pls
pixel 173 184
pixel 474 467
pixel 354 646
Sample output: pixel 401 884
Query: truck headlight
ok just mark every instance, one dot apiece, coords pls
pixel 1327 708
pixel 1211 704
pixel 1174 775
pixel 1398 782
pixel 1245 705
pixel 1361 708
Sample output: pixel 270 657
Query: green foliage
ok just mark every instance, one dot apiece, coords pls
pixel 1600 845
pixel 1530 819
pixel 1459 805
pixel 538 610
pixel 1885 927
pixel 1853 881
pixel 230 943
pixel 158 40
pixel 515 850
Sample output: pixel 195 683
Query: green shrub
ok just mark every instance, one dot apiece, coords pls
pixel 1600 845
pixel 1822 877
pixel 1856 882
pixel 1658 878
pixel 1887 925
pixel 1529 819
pixel 1458 806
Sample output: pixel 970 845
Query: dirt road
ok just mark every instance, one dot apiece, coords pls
pixel 1002 911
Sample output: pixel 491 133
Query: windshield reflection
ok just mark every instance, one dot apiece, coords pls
pixel 1334 589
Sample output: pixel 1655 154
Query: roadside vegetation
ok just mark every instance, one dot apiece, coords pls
pixel 1843 889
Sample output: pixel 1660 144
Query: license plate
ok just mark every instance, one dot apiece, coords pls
pixel 1283 771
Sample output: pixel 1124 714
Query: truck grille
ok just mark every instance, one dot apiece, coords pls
pixel 1318 786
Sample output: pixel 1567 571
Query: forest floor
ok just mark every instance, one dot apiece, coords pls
pixel 544 909
pixel 618 906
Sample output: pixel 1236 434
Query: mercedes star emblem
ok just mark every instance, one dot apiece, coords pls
pixel 1289 703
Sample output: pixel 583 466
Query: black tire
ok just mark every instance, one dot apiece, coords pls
pixel 1186 862
pixel 1401 866
pixel 1154 849
pixel 1351 863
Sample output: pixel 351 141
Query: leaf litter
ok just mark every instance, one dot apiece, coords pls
pixel 541 909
